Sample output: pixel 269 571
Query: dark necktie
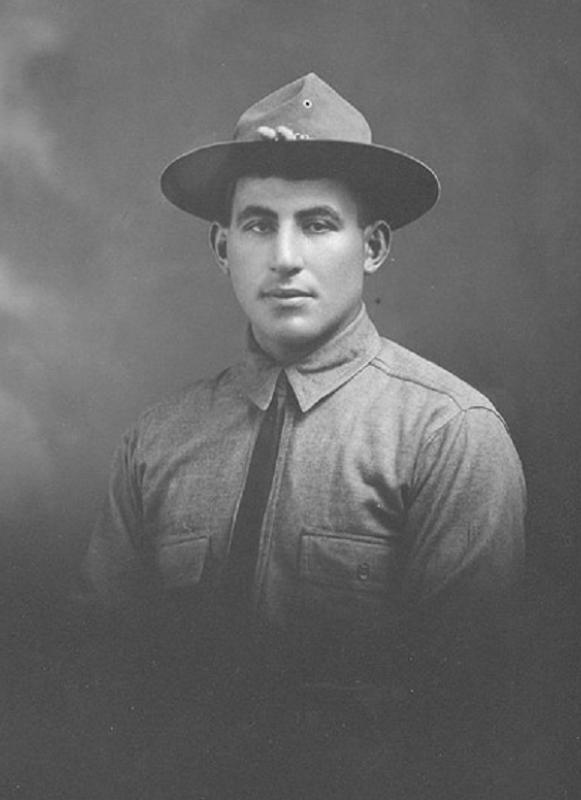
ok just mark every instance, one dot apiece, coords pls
pixel 241 564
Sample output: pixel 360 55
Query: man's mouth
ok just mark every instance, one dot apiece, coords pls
pixel 284 293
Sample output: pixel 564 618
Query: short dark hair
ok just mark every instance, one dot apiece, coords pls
pixel 366 211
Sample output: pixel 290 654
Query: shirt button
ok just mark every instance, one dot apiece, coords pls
pixel 363 571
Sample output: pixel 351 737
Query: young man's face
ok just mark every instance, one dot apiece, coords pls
pixel 297 255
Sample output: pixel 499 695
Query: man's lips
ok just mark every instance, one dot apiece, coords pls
pixel 286 292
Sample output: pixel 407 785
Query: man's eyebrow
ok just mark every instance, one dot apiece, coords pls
pixel 319 211
pixel 254 211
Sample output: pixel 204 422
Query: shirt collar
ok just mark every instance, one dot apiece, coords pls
pixel 319 373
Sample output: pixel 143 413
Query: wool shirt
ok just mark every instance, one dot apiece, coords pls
pixel 396 486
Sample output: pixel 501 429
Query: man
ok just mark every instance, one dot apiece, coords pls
pixel 335 524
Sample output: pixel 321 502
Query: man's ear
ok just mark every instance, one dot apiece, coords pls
pixel 219 245
pixel 377 243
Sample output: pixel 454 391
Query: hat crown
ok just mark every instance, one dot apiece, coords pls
pixel 310 108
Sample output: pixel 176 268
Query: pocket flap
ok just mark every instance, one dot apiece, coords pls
pixel 351 562
pixel 182 561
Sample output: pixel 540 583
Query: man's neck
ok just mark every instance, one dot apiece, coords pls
pixel 287 353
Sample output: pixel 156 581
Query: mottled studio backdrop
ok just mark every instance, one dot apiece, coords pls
pixel 108 296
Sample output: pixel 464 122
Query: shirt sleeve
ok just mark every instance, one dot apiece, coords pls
pixel 466 551
pixel 466 515
pixel 118 566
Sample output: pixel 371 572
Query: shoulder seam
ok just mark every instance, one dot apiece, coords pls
pixel 380 365
pixel 464 412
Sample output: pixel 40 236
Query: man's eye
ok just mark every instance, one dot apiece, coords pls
pixel 258 226
pixel 319 226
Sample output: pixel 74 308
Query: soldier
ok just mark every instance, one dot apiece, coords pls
pixel 324 535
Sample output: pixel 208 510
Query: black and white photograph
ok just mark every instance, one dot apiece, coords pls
pixel 290 400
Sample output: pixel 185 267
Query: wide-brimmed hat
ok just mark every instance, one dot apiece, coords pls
pixel 332 139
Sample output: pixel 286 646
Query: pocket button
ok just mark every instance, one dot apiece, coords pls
pixel 363 571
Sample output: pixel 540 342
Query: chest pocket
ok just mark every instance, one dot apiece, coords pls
pixel 346 579
pixel 181 560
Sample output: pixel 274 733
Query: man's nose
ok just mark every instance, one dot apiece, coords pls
pixel 287 256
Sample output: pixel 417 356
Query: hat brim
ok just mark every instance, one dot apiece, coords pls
pixel 398 187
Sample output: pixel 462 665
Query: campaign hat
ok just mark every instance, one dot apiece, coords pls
pixel 331 139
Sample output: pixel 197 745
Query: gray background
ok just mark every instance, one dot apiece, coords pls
pixel 109 298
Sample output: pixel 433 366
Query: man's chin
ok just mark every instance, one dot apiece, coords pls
pixel 287 345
